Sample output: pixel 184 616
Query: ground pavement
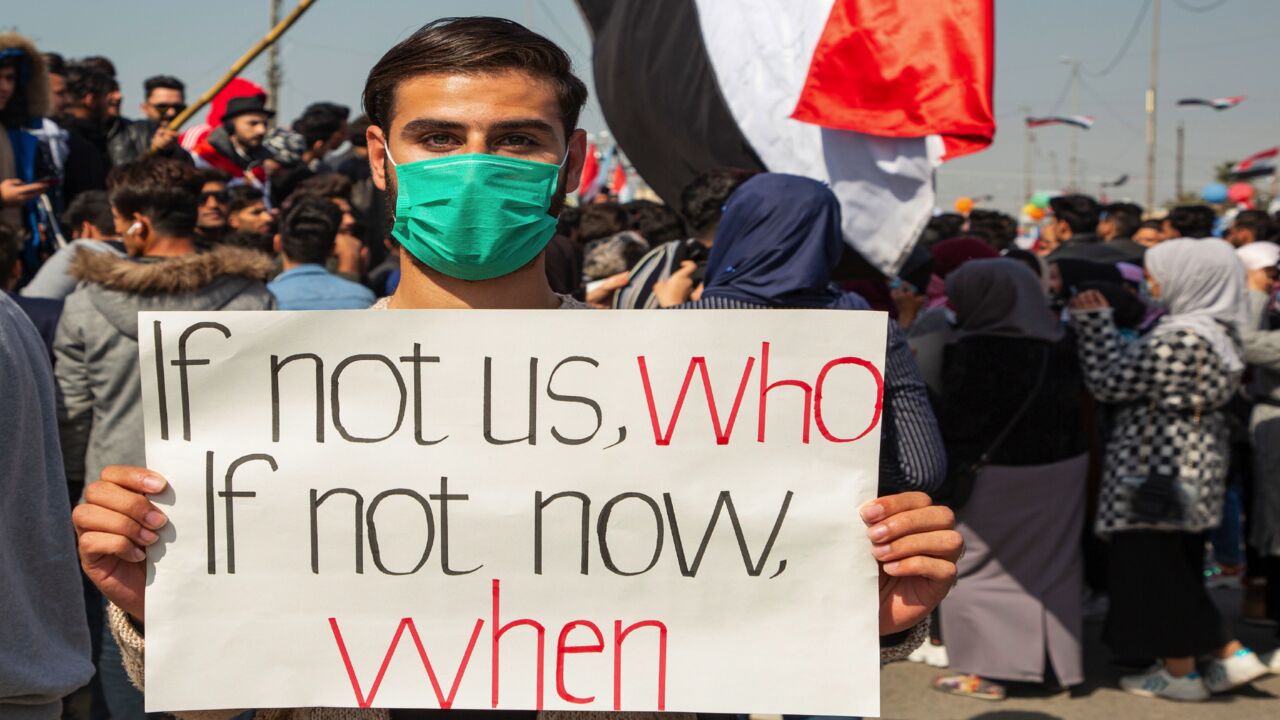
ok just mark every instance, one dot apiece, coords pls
pixel 905 692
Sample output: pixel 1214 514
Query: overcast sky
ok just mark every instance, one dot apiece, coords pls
pixel 1228 50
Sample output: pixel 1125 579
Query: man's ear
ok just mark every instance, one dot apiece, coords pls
pixel 277 245
pixel 577 159
pixel 144 231
pixel 377 147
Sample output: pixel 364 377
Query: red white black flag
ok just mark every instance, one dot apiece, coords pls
pixel 867 95
pixel 1083 122
pixel 1258 164
pixel 1216 103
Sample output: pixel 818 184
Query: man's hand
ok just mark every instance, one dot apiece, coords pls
pixel 15 192
pixel 164 140
pixel 677 288
pixel 114 523
pixel 917 549
pixel 1089 300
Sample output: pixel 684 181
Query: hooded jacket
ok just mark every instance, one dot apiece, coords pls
pixel 218 152
pixel 96 347
pixel 30 162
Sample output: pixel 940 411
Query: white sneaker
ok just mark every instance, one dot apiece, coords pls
pixel 1240 669
pixel 1272 660
pixel 1158 683
pixel 931 655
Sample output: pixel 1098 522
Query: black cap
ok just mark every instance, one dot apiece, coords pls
pixel 245 105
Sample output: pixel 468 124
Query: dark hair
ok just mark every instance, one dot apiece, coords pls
pixel 83 81
pixel 600 220
pixel 168 82
pixel 473 45
pixel 55 64
pixel 655 222
pixel 320 121
pixel 993 227
pixel 356 131
pixel 99 64
pixel 1079 212
pixel 262 242
pixel 1150 225
pixel 90 206
pixel 702 200
pixel 941 227
pixel 208 175
pixel 16 112
pixel 1256 220
pixel 1193 221
pixel 567 222
pixel 240 197
pixel 308 230
pixel 10 251
pixel 165 190
pixel 1126 216
pixel 326 185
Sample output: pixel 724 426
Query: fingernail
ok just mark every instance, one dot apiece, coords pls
pixel 155 519
pixel 880 551
pixel 153 483
pixel 872 512
pixel 147 536
pixel 137 554
pixel 891 567
pixel 878 533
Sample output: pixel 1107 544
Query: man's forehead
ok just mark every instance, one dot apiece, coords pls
pixel 476 99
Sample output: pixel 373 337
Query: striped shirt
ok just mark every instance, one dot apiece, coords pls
pixel 912 456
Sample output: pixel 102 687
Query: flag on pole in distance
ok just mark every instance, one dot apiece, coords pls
pixel 868 96
pixel 1258 164
pixel 590 170
pixel 618 182
pixel 1083 122
pixel 1217 103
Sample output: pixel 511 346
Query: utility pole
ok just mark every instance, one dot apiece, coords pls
pixel 1177 178
pixel 274 74
pixel 1027 158
pixel 1074 159
pixel 1151 107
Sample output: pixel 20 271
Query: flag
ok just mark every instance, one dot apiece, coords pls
pixel 590 170
pixel 866 95
pixel 1217 103
pixel 1256 165
pixel 1083 122
pixel 618 182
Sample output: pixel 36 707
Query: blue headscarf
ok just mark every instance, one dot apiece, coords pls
pixel 778 241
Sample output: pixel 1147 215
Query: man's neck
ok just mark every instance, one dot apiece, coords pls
pixel 170 246
pixel 287 264
pixel 236 146
pixel 524 289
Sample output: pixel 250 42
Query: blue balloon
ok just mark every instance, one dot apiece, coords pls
pixel 1214 193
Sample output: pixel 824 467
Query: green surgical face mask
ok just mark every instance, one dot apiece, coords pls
pixel 474 216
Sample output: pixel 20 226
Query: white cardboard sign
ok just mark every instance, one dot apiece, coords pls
pixel 514 509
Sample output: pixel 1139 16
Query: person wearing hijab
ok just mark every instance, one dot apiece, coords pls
pixel 929 332
pixel 778 241
pixel 1010 361
pixel 1166 466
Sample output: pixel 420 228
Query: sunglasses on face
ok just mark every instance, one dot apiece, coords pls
pixel 166 108
pixel 219 195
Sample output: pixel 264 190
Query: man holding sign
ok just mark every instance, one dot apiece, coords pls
pixel 473 137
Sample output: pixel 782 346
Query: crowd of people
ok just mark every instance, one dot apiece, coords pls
pixel 1096 399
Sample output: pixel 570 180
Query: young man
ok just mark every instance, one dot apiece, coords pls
pixel 93 229
pixel 1117 226
pixel 235 146
pixel 306 242
pixel 484 87
pixel 1075 222
pixel 214 207
pixel 1250 226
pixel 247 211
pixel 1189 221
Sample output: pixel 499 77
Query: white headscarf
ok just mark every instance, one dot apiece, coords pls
pixel 1203 284
pixel 1259 255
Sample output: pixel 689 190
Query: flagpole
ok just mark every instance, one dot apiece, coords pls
pixel 1177 177
pixel 1026 155
pixel 1151 107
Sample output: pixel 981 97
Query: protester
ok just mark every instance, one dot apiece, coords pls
pixel 235 146
pixel 1250 226
pixel 24 98
pixel 702 201
pixel 305 243
pixel 1166 466
pixel 1150 233
pixel 214 210
pixel 993 227
pixel 1116 227
pixel 1075 224
pixel 249 222
pixel 778 242
pixel 44 640
pixel 1010 415
pixel 474 75
pixel 129 140
pixel 93 229
pixel 42 312
pixel 1188 221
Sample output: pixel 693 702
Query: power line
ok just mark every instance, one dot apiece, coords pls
pixel 1133 33
pixel 1200 8
pixel 1109 108
pixel 568 37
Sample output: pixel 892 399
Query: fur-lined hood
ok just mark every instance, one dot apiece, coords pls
pixel 120 287
pixel 37 84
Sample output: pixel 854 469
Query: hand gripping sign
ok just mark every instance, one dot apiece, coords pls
pixel 514 509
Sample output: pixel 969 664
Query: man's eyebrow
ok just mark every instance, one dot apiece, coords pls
pixel 421 126
pixel 523 124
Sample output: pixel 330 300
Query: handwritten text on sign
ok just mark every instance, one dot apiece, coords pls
pixel 516 509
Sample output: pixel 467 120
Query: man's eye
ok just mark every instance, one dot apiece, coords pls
pixel 517 141
pixel 439 139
